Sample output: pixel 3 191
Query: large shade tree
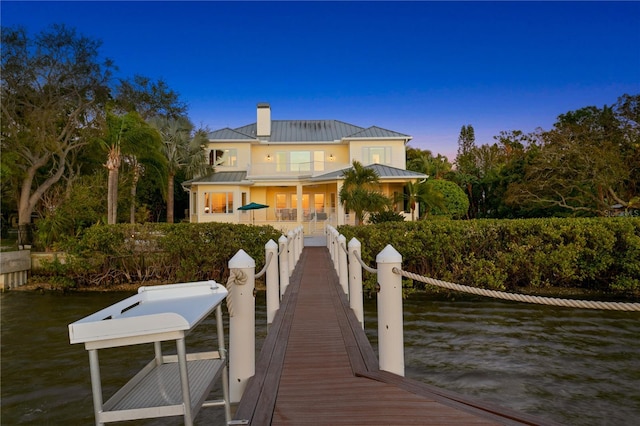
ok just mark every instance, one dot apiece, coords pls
pixel 582 166
pixel 53 87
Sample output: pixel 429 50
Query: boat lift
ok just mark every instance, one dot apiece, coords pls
pixel 169 385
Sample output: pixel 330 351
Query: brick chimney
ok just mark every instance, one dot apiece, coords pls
pixel 264 120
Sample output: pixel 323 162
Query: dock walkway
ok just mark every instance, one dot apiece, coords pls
pixel 317 367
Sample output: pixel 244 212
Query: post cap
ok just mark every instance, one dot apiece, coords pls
pixel 389 255
pixel 241 260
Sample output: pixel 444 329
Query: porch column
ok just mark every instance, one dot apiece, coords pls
pixel 339 207
pixel 299 212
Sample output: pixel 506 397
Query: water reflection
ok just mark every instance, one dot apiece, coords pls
pixel 46 381
pixel 576 367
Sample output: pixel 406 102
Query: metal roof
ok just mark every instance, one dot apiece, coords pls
pixel 220 177
pixel 384 172
pixel 306 131
pixel 228 134
pixel 378 132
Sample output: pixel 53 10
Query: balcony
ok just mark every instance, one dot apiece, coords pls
pixel 273 170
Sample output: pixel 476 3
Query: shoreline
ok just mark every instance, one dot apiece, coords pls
pixel 557 292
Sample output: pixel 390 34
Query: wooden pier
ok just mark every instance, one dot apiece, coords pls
pixel 317 367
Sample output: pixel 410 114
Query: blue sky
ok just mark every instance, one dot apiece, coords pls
pixel 420 68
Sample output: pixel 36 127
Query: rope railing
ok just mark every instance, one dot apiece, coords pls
pixel 266 265
pixel 541 300
pixel 364 265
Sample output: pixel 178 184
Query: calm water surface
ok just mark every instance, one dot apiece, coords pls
pixel 576 367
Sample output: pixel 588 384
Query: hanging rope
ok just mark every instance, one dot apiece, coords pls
pixel 236 277
pixel 266 265
pixel 551 301
pixel 365 266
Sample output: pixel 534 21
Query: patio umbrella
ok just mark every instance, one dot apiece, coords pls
pixel 253 206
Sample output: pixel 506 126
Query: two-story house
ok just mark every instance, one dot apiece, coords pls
pixel 295 167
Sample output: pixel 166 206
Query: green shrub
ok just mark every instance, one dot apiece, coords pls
pixel 107 255
pixel 589 253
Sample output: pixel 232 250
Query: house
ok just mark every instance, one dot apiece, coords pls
pixel 295 167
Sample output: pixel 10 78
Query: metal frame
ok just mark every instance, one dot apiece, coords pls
pixel 169 385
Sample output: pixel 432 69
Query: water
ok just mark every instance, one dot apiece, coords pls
pixel 576 367
pixel 572 366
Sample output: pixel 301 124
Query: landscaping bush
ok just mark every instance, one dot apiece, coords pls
pixel 108 255
pixel 588 253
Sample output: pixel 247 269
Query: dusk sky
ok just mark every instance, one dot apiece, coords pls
pixel 420 68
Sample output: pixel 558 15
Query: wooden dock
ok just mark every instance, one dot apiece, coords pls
pixel 317 367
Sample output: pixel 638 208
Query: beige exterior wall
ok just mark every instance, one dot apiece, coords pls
pixel 393 148
pixel 282 182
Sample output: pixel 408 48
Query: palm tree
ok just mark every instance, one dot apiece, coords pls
pixel 360 191
pixel 430 197
pixel 182 152
pixel 424 194
pixel 126 137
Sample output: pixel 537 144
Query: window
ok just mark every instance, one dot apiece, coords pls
pixel 281 161
pixel 223 157
pixel 376 155
pixel 281 201
pixel 218 202
pixel 318 202
pixel 300 161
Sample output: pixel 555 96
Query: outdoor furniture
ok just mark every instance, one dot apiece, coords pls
pixel 169 385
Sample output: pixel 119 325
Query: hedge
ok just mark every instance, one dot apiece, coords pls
pixel 108 255
pixel 592 253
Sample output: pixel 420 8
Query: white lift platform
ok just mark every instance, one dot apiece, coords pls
pixel 170 385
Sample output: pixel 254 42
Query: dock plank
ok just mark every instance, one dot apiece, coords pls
pixel 321 369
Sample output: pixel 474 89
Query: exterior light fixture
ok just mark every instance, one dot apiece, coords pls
pixel 331 158
pixel 268 157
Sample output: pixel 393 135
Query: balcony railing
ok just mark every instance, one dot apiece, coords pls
pixel 292 170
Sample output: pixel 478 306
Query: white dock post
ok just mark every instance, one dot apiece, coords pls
pixel 327 231
pixel 301 239
pixel 283 261
pixel 390 321
pixel 290 250
pixel 343 277
pixel 242 324
pixel 336 252
pixel 271 278
pixel 355 280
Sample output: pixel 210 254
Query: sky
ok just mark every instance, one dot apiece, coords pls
pixel 420 68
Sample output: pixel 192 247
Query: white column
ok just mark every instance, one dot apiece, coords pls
pixel 283 260
pixel 272 280
pixel 390 325
pixel 355 280
pixel 336 252
pixel 290 250
pixel 339 206
pixel 343 277
pixel 299 213
pixel 242 325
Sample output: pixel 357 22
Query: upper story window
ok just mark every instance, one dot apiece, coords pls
pixel 376 155
pixel 300 161
pixel 223 157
